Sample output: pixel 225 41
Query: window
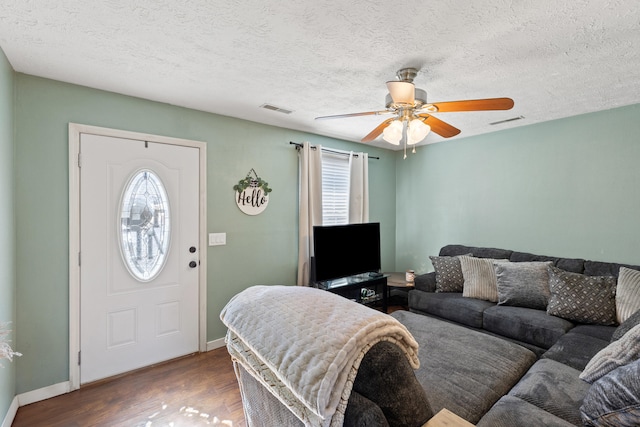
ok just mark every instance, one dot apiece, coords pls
pixel 144 225
pixel 335 189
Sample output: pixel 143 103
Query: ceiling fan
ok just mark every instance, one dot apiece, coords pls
pixel 413 119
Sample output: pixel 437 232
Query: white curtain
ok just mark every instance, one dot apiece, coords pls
pixel 310 210
pixel 359 188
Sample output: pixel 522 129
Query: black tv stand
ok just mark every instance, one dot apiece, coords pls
pixel 367 288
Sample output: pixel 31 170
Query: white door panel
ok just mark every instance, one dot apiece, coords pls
pixel 127 323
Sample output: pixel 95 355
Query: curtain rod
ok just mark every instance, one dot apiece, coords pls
pixel 298 146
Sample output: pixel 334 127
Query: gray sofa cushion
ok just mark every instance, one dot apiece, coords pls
pixel 599 268
pixel 386 378
pixel 575 349
pixel 453 250
pixel 464 370
pixel 575 265
pixel 614 399
pixel 525 324
pixel 602 332
pixel 425 282
pixel 450 306
pixel 510 411
pixel 554 387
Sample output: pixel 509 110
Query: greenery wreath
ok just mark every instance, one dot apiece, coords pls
pixel 253 182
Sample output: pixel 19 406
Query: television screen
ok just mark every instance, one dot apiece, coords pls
pixel 346 250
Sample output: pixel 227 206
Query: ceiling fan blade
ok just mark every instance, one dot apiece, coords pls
pixel 443 129
pixel 377 131
pixel 473 105
pixel 366 113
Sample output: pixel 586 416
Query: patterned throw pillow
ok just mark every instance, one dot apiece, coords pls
pixel 523 284
pixel 616 354
pixel 582 299
pixel 480 280
pixel 613 399
pixel 627 294
pixel 448 273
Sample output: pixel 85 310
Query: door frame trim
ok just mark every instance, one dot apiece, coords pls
pixel 75 130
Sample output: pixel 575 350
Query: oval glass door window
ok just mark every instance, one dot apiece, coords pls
pixel 144 225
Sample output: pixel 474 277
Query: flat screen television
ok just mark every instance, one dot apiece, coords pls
pixel 346 250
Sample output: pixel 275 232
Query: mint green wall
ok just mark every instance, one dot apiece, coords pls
pixel 7 235
pixel 259 250
pixel 568 188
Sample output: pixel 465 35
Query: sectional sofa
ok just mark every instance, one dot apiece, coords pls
pixel 510 338
pixel 499 337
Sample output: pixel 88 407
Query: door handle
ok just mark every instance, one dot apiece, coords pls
pixel 193 264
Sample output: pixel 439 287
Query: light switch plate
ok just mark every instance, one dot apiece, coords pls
pixel 217 239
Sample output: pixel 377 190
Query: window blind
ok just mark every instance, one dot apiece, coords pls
pixel 335 189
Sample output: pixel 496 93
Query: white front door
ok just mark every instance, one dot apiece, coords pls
pixel 139 254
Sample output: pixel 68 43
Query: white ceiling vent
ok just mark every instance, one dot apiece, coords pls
pixel 274 108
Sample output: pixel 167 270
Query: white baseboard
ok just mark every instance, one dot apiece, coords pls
pixel 44 393
pixel 212 345
pixel 11 413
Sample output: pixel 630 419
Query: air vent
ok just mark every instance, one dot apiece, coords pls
pixel 274 108
pixel 507 120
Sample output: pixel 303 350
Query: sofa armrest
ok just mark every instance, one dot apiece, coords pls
pixel 386 378
pixel 425 282
pixel 362 412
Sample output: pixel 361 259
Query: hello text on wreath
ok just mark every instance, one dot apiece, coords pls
pixel 252 194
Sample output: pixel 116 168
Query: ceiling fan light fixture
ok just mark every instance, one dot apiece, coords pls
pixel 417 131
pixel 402 93
pixel 393 133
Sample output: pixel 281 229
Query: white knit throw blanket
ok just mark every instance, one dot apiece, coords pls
pixel 305 345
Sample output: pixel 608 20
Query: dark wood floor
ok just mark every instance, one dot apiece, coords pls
pixel 197 390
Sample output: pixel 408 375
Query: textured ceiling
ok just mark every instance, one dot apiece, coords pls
pixel 555 59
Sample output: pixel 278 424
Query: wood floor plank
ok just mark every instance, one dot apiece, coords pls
pixel 196 390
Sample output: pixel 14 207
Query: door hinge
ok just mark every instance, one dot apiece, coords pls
pixel 79 259
pixel 79 160
pixel 79 357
